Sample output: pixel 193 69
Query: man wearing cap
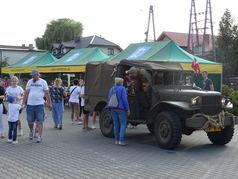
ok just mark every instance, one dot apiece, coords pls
pixel 36 89
pixel 133 83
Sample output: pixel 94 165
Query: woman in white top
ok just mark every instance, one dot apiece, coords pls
pixel 17 92
pixel 74 92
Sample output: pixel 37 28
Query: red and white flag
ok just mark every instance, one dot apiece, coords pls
pixel 195 66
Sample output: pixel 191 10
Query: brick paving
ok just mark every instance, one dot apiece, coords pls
pixel 74 153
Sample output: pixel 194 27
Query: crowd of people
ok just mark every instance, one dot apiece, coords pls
pixel 38 94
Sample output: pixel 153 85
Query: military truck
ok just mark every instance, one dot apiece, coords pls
pixel 168 107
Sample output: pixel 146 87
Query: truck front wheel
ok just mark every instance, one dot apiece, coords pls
pixel 223 137
pixel 168 130
pixel 106 124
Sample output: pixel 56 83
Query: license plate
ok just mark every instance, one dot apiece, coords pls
pixel 213 129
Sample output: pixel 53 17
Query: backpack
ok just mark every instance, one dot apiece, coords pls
pixel 113 101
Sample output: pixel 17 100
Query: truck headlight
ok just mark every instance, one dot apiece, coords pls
pixel 226 103
pixel 195 100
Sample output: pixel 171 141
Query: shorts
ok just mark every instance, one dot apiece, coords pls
pixel 35 113
pixel 84 111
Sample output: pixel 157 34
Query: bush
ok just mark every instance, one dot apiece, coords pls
pixel 226 90
pixel 234 99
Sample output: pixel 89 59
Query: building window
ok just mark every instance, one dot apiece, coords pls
pixel 110 51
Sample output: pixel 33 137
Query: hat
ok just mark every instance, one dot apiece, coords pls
pixel 10 99
pixel 35 72
pixel 132 70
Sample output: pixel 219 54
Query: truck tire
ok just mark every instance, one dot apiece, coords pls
pixel 168 130
pixel 150 127
pixel 223 137
pixel 106 123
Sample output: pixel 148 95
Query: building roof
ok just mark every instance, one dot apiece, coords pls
pixel 180 38
pixel 23 47
pixel 90 41
pixel 56 45
pixel 15 47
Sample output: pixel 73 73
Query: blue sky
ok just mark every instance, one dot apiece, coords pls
pixel 120 21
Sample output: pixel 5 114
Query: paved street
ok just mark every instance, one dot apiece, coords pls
pixel 73 153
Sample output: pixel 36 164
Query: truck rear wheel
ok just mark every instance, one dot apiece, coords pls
pixel 168 130
pixel 223 137
pixel 106 123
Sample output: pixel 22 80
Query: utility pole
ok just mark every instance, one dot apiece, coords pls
pixel 208 12
pixel 191 43
pixel 151 14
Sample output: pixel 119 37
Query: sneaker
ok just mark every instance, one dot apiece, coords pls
pixel 15 142
pixel 20 132
pixel 89 128
pixel 55 126
pixel 31 135
pixel 93 127
pixel 9 140
pixel 2 136
pixel 39 139
pixel 60 127
pixel 122 143
pixel 116 142
pixel 86 128
pixel 79 123
pixel 36 135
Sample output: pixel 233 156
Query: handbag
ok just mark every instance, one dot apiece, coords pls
pixel 4 111
pixel 113 101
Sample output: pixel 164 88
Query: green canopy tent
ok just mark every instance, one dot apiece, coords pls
pixel 169 51
pixel 32 60
pixel 75 60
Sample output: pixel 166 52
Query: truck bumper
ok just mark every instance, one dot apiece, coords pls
pixel 198 121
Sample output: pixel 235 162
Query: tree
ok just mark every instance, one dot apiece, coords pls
pixel 58 31
pixel 3 62
pixel 227 44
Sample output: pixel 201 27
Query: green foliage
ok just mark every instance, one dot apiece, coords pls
pixel 58 31
pixel 226 90
pixel 234 99
pixel 3 62
pixel 227 44
pixel 40 44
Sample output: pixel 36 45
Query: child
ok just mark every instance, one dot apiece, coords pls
pixel 13 114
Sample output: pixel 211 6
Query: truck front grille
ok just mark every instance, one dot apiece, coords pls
pixel 211 105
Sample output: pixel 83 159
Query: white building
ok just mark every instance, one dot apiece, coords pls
pixel 12 53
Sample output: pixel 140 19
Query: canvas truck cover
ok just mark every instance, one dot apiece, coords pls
pixel 99 78
pixel 153 65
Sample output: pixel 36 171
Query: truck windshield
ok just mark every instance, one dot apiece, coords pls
pixel 166 78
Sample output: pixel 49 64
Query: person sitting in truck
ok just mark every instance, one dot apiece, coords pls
pixel 133 81
pixel 145 78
